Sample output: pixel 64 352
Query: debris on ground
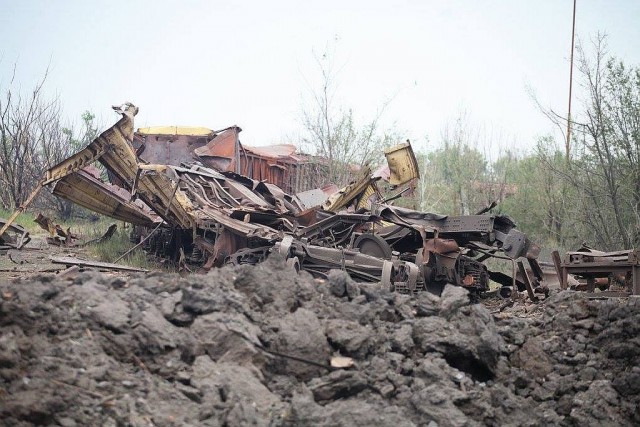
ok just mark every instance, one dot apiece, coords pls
pixel 261 345
pixel 61 237
pixel 613 273
pixel 13 236
pixel 70 261
pixel 207 201
pixel 106 236
pixel 57 235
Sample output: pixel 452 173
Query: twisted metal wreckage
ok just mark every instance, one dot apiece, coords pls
pixel 205 213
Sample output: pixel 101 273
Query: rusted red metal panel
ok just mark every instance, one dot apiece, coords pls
pixel 222 152
pixel 167 149
pixel 280 151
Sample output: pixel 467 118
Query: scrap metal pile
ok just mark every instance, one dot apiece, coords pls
pixel 184 191
pixel 613 273
pixel 13 236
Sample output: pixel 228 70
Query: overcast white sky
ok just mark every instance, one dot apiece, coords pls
pixel 218 63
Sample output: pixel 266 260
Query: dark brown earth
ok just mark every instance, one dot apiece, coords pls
pixel 162 350
pixel 34 258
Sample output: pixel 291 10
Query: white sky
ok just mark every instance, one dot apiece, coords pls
pixel 218 63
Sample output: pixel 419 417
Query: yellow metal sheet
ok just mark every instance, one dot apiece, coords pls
pixel 347 194
pixel 403 165
pixel 85 190
pixel 176 130
pixel 364 201
pixel 113 149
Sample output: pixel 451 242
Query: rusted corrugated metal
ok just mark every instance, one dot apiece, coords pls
pixel 275 164
pixel 158 145
pixel 223 151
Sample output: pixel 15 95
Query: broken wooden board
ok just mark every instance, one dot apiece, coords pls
pixel 69 261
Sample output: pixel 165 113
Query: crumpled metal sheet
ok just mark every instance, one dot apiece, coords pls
pixel 213 214
pixel 85 189
pixel 352 192
pixel 403 166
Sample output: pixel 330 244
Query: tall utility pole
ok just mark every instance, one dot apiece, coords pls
pixel 573 35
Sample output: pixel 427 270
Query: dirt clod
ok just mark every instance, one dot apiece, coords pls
pixel 253 345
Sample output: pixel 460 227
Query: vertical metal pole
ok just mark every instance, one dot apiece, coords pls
pixel 573 34
pixel 237 152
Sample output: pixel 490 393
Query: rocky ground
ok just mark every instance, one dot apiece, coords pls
pixel 252 346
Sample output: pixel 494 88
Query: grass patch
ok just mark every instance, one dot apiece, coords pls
pixel 90 228
pixel 83 227
pixel 113 248
pixel 24 219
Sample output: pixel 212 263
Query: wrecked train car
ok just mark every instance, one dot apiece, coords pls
pixel 223 151
pixel 185 184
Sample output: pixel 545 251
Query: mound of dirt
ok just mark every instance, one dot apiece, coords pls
pixel 252 346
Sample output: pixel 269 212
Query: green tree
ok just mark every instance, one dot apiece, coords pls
pixel 599 199
pixel 30 134
pixel 454 175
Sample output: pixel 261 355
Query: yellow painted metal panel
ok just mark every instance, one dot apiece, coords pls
pixel 175 130
pixel 364 201
pixel 346 195
pixel 85 190
pixel 402 164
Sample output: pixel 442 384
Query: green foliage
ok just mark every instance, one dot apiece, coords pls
pixel 24 219
pixel 116 246
pixel 540 199
pixel 593 196
pixel 76 141
pixel 449 177
pixel 604 170
pixel 456 178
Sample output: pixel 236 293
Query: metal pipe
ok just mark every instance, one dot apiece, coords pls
pixel 573 34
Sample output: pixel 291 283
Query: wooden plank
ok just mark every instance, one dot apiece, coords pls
pixel 527 281
pixel 555 257
pixel 69 261
pixel 17 270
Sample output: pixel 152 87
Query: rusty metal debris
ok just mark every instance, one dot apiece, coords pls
pixel 612 273
pixel 85 188
pixel 61 237
pixel 57 235
pixel 222 150
pixel 211 201
pixel 12 236
pixel 106 236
